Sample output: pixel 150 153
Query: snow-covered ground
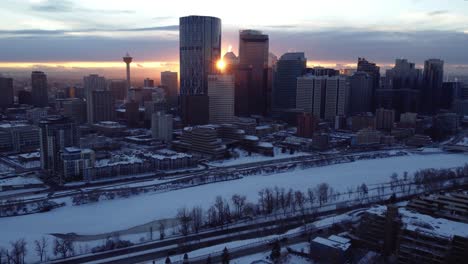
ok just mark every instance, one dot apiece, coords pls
pixel 112 215
pixel 20 181
pixel 255 157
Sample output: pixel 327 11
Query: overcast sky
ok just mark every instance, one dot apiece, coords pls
pixel 40 31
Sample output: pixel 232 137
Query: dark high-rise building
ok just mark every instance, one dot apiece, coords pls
pixel 92 83
pixel 76 110
pixel 432 86
pixel 253 53
pixel 401 88
pixel 6 91
pixel 148 82
pixel 132 113
pixel 374 71
pixel 450 92
pixel 200 49
pixel 102 107
pixel 243 84
pixel 288 68
pixel 56 133
pixel 118 89
pixel 171 85
pixel 39 92
pixel 306 124
pixel 25 97
pixel 361 87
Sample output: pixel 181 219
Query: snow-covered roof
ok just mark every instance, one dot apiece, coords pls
pixel 249 137
pixel 265 144
pixel 332 243
pixel 426 224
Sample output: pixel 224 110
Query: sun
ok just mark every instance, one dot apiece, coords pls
pixel 220 65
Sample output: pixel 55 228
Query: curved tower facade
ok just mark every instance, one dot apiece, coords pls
pixel 200 49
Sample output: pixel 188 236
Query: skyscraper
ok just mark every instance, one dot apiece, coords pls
pixel 6 91
pixel 288 68
pixel 39 89
pixel 102 106
pixel 431 93
pixel 118 89
pixel 148 82
pixel 92 83
pixel 374 71
pixel 400 88
pixel 56 133
pixel 76 110
pixel 253 53
pixel 170 83
pixel 221 98
pixel 200 49
pixel 361 89
pixel 323 96
pixel 162 126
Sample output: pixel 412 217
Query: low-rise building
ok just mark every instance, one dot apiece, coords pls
pixel 18 137
pixel 76 161
pixel 201 139
pixel 366 137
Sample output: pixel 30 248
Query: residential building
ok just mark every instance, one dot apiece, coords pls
pixel 384 118
pixel 306 125
pixel 18 137
pixel 325 97
pixel 221 98
pixel 162 126
pixel 56 133
pixel 101 107
pixel 76 161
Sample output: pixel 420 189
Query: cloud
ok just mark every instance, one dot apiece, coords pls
pixel 41 32
pixel 337 45
pixel 437 13
pixel 67 6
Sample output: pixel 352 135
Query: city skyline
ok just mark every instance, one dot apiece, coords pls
pixel 67 36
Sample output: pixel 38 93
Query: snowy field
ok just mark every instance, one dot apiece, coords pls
pixel 20 181
pixel 255 157
pixel 113 215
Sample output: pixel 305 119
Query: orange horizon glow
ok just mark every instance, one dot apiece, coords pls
pixel 163 65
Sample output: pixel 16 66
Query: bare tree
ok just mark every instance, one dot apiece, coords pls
pixel 239 203
pixel 183 216
pixel 197 218
pixel 311 196
pixel 162 230
pixel 220 208
pixel 18 251
pixel 64 248
pixel 322 193
pixel 41 248
pixel 300 200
